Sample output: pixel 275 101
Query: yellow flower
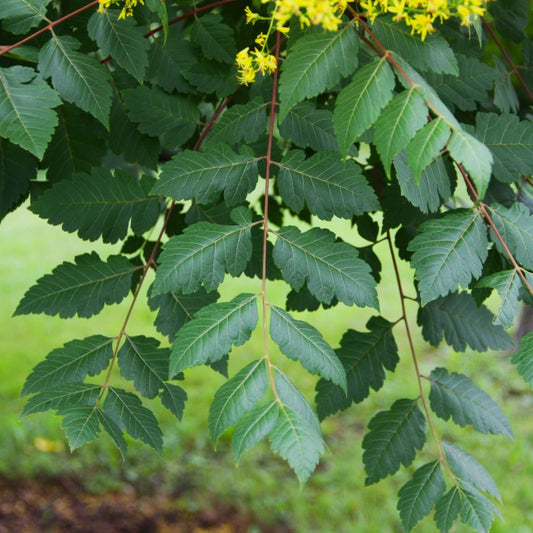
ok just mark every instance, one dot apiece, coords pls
pixel 251 17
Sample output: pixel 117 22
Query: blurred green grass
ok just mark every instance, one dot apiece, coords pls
pixel 335 498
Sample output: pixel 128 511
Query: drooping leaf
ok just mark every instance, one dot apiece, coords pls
pixel 63 396
pixel 325 184
pixel 176 309
pixel 468 470
pixel 81 425
pixel 79 78
pixel 505 97
pixel 447 509
pixel 99 205
pixel 427 145
pixel 316 62
pixel 432 54
pixel 365 356
pixel 523 358
pixel 510 142
pixel 392 439
pixel 511 18
pixel 211 77
pixel 26 109
pixel 418 496
pixel 477 510
pixel 126 410
pixel 114 431
pixel 17 168
pixel 213 331
pixel 455 395
pixel 81 288
pixel 173 118
pixel 360 103
pixel 297 441
pixel 18 16
pixel 302 342
pixel 240 122
pixel 73 362
pixel 507 283
pixel 203 176
pixel 122 40
pixel 202 255
pixel 404 115
pixel 237 396
pixel 173 397
pixel 215 38
pixel 459 320
pixel 515 225
pixel 330 269
pixel 448 251
pixel 253 427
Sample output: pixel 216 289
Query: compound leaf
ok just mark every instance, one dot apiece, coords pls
pixel 330 269
pixel 302 342
pixel 81 425
pixel 523 358
pixel 18 16
pixel 73 362
pixel 215 38
pixel 418 496
pixel 448 251
pixel 237 396
pixel 393 438
pixel 447 509
pixel 328 186
pixel 213 331
pixel 476 510
pixel 455 395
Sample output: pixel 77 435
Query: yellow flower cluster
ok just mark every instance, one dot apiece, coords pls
pixel 420 15
pixel 127 6
pixel 325 13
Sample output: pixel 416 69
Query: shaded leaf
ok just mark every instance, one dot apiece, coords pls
pixel 214 37
pixel 523 358
pixel 114 432
pixel 63 396
pixel 173 398
pixel 18 16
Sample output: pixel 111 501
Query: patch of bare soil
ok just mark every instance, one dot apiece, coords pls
pixel 62 505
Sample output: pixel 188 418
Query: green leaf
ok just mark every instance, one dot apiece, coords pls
pixel 18 16
pixel 143 362
pixel 26 109
pixel 253 427
pixel 328 186
pixel 114 432
pixel 510 142
pixel 432 54
pixel 210 77
pixel 79 78
pixel 81 288
pixel 448 251
pixel 81 425
pixel 365 356
pixel 459 320
pixel 241 122
pixel 330 269
pixel 455 395
pixel 173 398
pixel 302 342
pixel 515 225
pixel 122 40
pixel 236 397
pixel 418 496
pixel 507 283
pixel 73 362
pixel 297 441
pixel 315 63
pixel 468 470
pixel 173 118
pixel 215 38
pixel 176 309
pixel 505 97
pixel 511 18
pixel 99 205
pixel 523 358
pixel 447 509
pixel 404 115
pixel 213 331
pixel 427 145
pixel 430 189
pixel 17 168
pixel 125 409
pixel 474 156
pixel 360 103
pixel 63 396
pixel 203 176
pixel 476 510
pixel 307 126
pixel 393 439
pixel 202 255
